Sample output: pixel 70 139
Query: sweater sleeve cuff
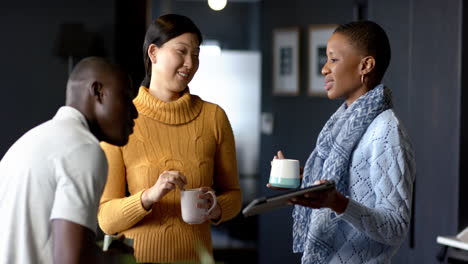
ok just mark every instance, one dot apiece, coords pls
pixel 228 208
pixel 219 220
pixel 353 212
pixel 133 208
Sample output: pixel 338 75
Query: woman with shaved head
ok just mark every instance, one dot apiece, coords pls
pixel 365 150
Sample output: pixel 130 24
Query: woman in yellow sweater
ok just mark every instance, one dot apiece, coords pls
pixel 179 141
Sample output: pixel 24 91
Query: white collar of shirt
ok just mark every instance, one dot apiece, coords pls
pixel 68 112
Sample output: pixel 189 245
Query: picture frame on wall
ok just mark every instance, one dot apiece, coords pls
pixel 286 61
pixel 318 37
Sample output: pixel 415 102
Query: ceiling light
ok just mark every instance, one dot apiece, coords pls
pixel 217 5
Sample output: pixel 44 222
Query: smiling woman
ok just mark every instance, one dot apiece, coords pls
pixel 174 65
pixel 345 69
pixel 180 142
pixel 365 150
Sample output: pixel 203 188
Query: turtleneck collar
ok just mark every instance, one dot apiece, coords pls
pixel 180 111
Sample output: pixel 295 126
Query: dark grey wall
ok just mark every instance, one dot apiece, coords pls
pixel 33 79
pixel 425 75
pixel 34 76
pixel 130 27
pixel 463 198
pixel 236 27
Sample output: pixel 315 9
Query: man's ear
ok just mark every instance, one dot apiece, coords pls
pixel 152 51
pixel 97 90
pixel 367 65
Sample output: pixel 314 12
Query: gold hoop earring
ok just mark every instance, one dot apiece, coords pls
pixel 362 79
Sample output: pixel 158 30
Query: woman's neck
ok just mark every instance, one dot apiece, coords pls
pixel 162 94
pixel 356 94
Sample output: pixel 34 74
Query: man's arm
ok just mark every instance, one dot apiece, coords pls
pixel 73 243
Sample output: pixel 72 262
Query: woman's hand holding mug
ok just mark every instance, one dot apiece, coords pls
pixel 199 205
pixel 215 213
pixel 285 173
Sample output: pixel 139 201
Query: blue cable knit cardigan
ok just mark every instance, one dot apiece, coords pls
pixel 381 176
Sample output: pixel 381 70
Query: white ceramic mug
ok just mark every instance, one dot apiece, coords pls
pixel 191 214
pixel 285 173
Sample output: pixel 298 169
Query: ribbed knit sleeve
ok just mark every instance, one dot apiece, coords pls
pixel 117 213
pixel 226 179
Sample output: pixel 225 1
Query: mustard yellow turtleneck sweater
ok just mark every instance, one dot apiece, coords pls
pixel 188 135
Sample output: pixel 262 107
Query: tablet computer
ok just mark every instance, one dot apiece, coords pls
pixel 263 204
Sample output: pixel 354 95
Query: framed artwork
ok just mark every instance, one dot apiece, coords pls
pixel 318 37
pixel 286 61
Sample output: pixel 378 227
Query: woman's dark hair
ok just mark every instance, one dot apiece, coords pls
pixel 369 37
pixel 163 29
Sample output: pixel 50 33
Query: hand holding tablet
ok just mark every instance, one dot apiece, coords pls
pixel 264 204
